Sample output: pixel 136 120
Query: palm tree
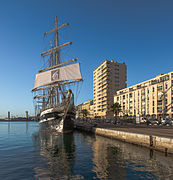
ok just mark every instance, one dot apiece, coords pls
pixel 85 113
pixel 116 108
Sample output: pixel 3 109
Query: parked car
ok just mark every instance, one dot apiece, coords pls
pixel 162 120
pixel 143 120
pixel 152 122
pixel 148 122
pixel 168 122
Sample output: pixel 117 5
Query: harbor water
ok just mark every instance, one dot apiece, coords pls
pixel 27 153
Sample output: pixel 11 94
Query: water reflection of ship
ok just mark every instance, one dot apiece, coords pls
pixel 58 152
pixel 113 159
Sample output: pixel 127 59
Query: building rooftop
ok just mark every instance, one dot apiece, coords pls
pixel 143 84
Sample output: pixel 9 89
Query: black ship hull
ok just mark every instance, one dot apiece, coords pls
pixel 57 121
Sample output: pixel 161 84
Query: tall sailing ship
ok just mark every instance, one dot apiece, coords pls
pixel 54 100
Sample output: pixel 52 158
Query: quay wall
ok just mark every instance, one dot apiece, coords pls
pixel 154 142
pixel 163 144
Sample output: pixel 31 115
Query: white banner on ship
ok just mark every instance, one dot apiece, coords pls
pixel 69 72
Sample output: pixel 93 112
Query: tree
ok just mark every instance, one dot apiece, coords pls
pixel 85 113
pixel 116 108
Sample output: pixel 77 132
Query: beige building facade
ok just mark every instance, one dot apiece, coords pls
pixel 88 105
pixel 108 77
pixel 153 98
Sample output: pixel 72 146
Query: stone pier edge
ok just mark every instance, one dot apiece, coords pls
pixel 163 144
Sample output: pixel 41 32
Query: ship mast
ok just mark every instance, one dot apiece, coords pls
pixel 53 94
pixel 50 90
pixel 57 54
pixel 57 58
pixel 54 60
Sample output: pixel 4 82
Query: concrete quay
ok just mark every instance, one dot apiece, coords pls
pixel 153 137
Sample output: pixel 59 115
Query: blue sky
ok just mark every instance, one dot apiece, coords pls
pixel 137 32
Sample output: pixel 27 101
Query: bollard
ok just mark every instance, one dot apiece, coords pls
pixel 151 140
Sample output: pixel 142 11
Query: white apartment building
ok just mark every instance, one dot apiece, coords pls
pixel 108 77
pixel 152 98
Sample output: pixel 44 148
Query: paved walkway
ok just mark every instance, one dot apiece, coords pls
pixel 163 131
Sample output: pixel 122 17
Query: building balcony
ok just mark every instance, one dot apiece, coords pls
pixel 143 104
pixel 159 89
pixel 154 82
pixel 139 86
pixel 121 92
pixel 131 89
pixel 105 83
pixel 159 111
pixel 105 69
pixel 105 86
pixel 105 78
pixel 104 103
pixel 104 90
pixel 105 74
pixel 143 97
pixel 104 95
pixel 104 99
pixel 159 104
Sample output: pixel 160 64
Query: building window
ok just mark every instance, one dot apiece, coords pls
pixel 159 102
pixel 153 110
pixel 159 87
pixel 159 109
pixel 166 85
pixel 153 89
pixel 166 101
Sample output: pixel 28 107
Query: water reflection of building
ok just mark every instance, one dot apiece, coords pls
pixel 58 152
pixel 107 160
pixel 113 159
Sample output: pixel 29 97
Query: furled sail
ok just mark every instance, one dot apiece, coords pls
pixel 64 73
